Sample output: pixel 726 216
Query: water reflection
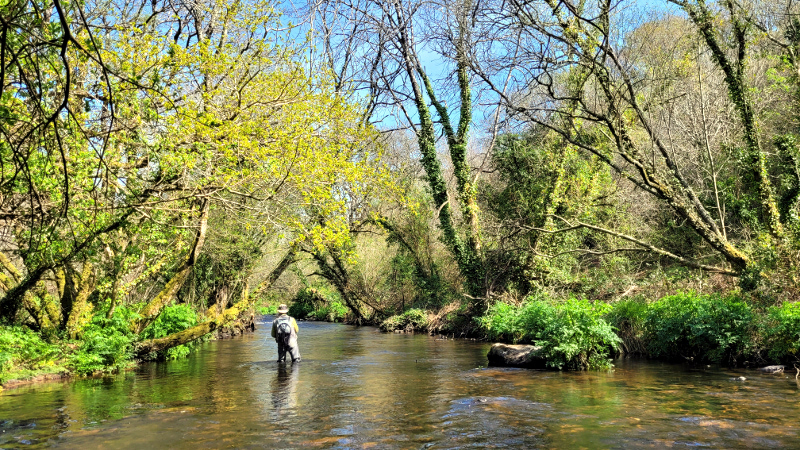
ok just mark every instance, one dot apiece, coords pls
pixel 284 387
pixel 358 388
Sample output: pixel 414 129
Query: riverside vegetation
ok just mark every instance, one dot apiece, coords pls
pixel 168 170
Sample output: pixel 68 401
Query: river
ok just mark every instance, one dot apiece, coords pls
pixel 359 388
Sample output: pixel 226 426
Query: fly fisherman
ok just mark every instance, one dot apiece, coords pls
pixel 284 330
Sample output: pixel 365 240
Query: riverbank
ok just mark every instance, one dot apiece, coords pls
pixel 106 347
pixel 573 334
pixel 729 330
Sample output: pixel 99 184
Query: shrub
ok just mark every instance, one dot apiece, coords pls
pixel 23 353
pixel 628 317
pixel 333 311
pixel 319 303
pixel 411 320
pixel 701 328
pixel 172 319
pixel 106 343
pixel 572 334
pixel 578 337
pixel 501 322
pixel 781 331
pixel 267 310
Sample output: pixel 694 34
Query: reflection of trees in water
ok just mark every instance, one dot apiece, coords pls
pixel 284 386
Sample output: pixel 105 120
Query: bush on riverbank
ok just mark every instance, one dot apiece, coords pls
pixel 23 354
pixel 573 334
pixel 628 317
pixel 106 344
pixel 699 328
pixel 412 320
pixel 781 330
pixel 722 329
pixel 172 319
pixel 268 310
pixel 320 303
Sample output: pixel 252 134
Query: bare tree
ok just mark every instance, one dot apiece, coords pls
pixel 411 57
pixel 578 72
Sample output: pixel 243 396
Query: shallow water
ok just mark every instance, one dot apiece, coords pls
pixel 359 388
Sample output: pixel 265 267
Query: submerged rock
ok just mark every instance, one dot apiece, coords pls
pixel 516 356
pixel 772 369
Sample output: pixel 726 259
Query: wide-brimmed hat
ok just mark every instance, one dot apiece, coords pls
pixel 282 308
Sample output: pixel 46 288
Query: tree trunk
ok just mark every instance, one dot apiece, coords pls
pixel 79 314
pixel 10 304
pixel 335 271
pixel 167 294
pixel 468 256
pixel 739 92
pixel 214 320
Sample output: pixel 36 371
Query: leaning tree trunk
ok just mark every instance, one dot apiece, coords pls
pixel 79 313
pixel 335 271
pixel 214 320
pixel 167 294
pixel 755 161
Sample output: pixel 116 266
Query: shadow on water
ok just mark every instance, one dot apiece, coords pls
pixel 358 388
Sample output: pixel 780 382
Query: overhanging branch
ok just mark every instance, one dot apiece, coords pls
pixel 644 245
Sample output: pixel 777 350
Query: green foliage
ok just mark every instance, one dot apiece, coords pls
pixel 431 288
pixel 333 311
pixel 501 323
pixel 628 317
pixel 267 310
pixel 540 176
pixel 702 328
pixel 788 179
pixel 411 320
pixel 320 303
pixel 172 319
pixel 781 331
pixel 573 334
pixel 23 354
pixel 681 327
pixel 304 303
pixel 106 344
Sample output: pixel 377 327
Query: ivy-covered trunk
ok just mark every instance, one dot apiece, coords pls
pixel 467 252
pixel 754 161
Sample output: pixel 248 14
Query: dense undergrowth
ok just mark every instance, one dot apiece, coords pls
pixel 698 328
pixel 23 354
pixel 318 303
pixel 105 345
pixel 411 320
pixel 573 334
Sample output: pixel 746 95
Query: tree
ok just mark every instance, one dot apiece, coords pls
pixel 580 75
pixel 384 41
pixel 172 114
pixel 536 176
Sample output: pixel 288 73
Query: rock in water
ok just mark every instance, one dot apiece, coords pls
pixel 772 369
pixel 516 356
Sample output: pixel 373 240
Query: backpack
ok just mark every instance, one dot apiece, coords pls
pixel 284 331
